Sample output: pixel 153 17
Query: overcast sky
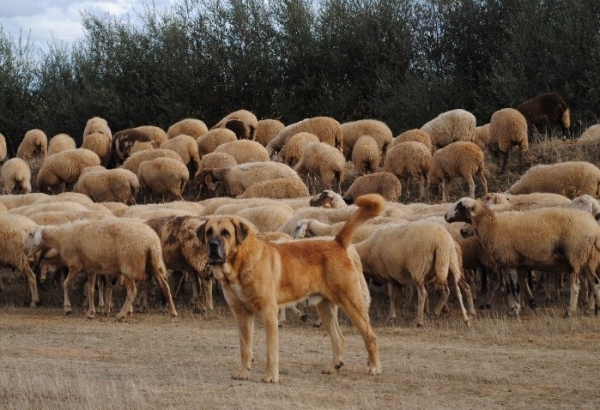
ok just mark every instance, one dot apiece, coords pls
pixel 60 19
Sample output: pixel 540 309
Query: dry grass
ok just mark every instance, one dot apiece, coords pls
pixel 52 361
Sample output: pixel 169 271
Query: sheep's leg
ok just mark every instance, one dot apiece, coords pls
pixel 141 298
pixel 207 296
pixel 101 286
pixel 404 185
pixel 483 181
pixel 574 294
pixel 127 306
pixel 393 292
pixel 464 287
pixel 108 285
pixel 179 277
pixel 164 286
pixel 524 283
pixel 281 317
pixel 73 271
pixel 463 311
pixel 513 292
pixel 504 163
pixel 91 286
pixel 471 183
pixel 31 279
pixel 422 296
pixel 328 314
pixel 445 189
pixel 421 189
pixel 444 294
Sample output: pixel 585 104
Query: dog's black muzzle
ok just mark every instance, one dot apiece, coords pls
pixel 215 252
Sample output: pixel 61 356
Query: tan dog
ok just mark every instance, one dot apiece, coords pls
pixel 258 277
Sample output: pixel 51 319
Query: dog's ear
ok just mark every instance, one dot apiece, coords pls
pixel 241 230
pixel 200 233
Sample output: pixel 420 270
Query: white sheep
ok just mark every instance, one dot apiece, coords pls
pixel 214 138
pixel 242 122
pixel 97 125
pixel 571 179
pixel 266 218
pixel 133 162
pixel 451 126
pixel 508 127
pixel 592 133
pixel 16 177
pixel 193 127
pixel 292 151
pixel 237 179
pixel 327 129
pixel 324 162
pixel 416 135
pixel 34 145
pixel 378 130
pixel 59 143
pixel 217 160
pixel 458 159
pixel 64 168
pixel 15 201
pixel 280 188
pixel 416 254
pixel 408 160
pixel 156 134
pixel 118 185
pixel 383 183
pixel 122 247
pixel 482 136
pixel 99 143
pixel 366 155
pixel 163 176
pixel 3 149
pixel 547 239
pixel 187 148
pixel 244 151
pixel 13 233
pixel 267 129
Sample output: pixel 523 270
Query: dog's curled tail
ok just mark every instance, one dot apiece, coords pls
pixel 369 206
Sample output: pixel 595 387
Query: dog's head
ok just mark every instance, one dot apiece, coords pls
pixel 222 237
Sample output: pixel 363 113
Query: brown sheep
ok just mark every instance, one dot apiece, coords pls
pixel 416 135
pixel 383 183
pixel 546 111
pixel 458 159
pixel 214 138
pixel 189 126
pixel 410 159
pixel 124 141
pixel 508 127
pixel 34 145
pixel 267 130
pixel 242 122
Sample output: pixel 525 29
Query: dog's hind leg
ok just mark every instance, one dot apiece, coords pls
pixel 245 323
pixel 328 314
pixel 359 315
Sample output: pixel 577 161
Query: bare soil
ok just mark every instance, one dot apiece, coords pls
pixel 52 361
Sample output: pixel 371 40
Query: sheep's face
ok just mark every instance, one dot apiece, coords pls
pixel 222 237
pixel 322 200
pixel 300 230
pixel 467 231
pixel 461 211
pixel 33 242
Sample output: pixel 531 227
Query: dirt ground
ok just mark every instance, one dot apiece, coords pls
pixel 52 361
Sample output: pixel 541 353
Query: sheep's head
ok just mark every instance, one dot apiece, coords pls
pixel 495 198
pixel 34 241
pixel 301 230
pixel 326 199
pixel 467 231
pixel 463 210
pixel 588 204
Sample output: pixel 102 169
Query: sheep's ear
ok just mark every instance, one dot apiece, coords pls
pixel 241 230
pixel 37 236
pixel 208 179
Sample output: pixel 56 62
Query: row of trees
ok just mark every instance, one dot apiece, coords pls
pixel 401 61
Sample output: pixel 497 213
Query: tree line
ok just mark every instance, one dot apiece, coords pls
pixel 400 61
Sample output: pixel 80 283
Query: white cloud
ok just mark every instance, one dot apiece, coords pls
pixel 44 20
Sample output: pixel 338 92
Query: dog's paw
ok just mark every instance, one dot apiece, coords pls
pixel 374 371
pixel 269 378
pixel 242 375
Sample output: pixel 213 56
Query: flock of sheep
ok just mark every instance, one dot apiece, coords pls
pixel 80 214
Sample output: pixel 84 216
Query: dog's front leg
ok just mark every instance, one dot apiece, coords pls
pixel 269 316
pixel 245 322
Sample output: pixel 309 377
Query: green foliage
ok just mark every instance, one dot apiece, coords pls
pixel 401 61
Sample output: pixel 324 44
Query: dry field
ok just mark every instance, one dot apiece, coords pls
pixel 52 361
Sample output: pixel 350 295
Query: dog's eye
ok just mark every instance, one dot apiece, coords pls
pixel 209 232
pixel 224 233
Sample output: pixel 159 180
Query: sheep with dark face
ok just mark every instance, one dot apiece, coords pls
pixel 546 111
